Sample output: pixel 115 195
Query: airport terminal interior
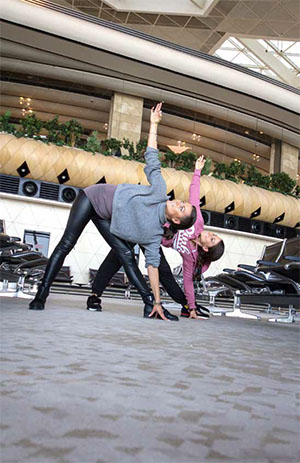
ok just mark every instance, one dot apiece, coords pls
pixel 150 221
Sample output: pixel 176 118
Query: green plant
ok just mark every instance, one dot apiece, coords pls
pixel 254 178
pixel 140 149
pixel 207 166
pixel 129 146
pixel 282 182
pixel 136 152
pixel 187 161
pixel 31 125
pixel 170 158
pixel 235 171
pixel 93 144
pixel 111 146
pixel 72 130
pixel 219 170
pixel 54 129
pixel 5 125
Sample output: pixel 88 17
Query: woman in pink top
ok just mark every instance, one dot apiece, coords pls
pixel 198 248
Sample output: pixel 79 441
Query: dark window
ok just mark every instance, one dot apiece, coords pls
pixel 39 240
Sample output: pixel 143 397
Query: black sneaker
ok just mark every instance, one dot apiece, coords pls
pixel 94 304
pixel 185 311
pixel 148 309
pixel 201 312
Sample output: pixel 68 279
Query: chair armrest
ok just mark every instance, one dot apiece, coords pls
pixel 31 264
pixel 292 258
pixel 26 255
pixel 250 268
pixel 266 263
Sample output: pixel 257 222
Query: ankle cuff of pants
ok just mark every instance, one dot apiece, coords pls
pixel 148 299
pixel 42 293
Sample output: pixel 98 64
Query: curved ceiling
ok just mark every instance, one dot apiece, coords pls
pixel 187 23
pixel 226 119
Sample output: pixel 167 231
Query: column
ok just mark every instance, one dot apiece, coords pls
pixel 275 157
pixel 289 160
pixel 125 118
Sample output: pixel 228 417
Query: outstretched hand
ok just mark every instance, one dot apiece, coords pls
pixel 158 311
pixel 156 114
pixel 200 163
pixel 193 314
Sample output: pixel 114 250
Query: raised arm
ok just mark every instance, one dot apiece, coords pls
pixel 155 118
pixel 194 191
pixel 153 167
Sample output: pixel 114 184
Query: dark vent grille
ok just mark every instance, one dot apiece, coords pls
pixel 9 184
pixel 244 224
pixel 217 220
pixel 49 191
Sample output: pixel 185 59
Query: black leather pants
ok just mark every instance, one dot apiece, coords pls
pixel 81 213
pixel 112 265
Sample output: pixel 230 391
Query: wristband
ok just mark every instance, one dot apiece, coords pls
pixel 157 303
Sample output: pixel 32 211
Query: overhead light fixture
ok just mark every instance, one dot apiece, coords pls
pixel 26 101
pixel 178 149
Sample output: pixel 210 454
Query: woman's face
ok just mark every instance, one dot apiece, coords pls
pixel 176 210
pixel 208 239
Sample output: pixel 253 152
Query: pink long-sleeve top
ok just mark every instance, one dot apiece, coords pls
pixel 182 244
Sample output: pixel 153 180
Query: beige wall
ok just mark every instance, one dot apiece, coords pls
pixel 284 158
pixel 289 160
pixel 125 119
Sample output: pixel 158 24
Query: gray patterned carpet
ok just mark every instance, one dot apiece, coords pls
pixel 110 387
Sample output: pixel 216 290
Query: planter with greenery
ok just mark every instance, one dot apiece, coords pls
pixel 70 132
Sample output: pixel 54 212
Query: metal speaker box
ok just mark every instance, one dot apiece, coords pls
pixel 277 231
pixel 258 227
pixel 231 222
pixel 29 187
pixel 67 194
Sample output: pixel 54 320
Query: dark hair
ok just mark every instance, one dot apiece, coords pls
pixel 206 257
pixel 186 222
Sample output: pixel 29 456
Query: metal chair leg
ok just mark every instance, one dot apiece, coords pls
pixel 237 309
pixel 285 319
pixel 212 296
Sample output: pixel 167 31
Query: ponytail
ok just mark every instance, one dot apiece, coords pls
pixel 206 257
pixel 186 222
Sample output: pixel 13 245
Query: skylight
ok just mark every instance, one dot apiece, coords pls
pixel 263 56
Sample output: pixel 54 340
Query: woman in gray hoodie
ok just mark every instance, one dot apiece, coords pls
pixel 134 213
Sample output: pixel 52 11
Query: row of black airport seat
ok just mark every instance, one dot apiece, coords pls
pixel 19 262
pixel 274 280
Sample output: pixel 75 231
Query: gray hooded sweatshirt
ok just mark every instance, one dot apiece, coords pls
pixel 138 211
